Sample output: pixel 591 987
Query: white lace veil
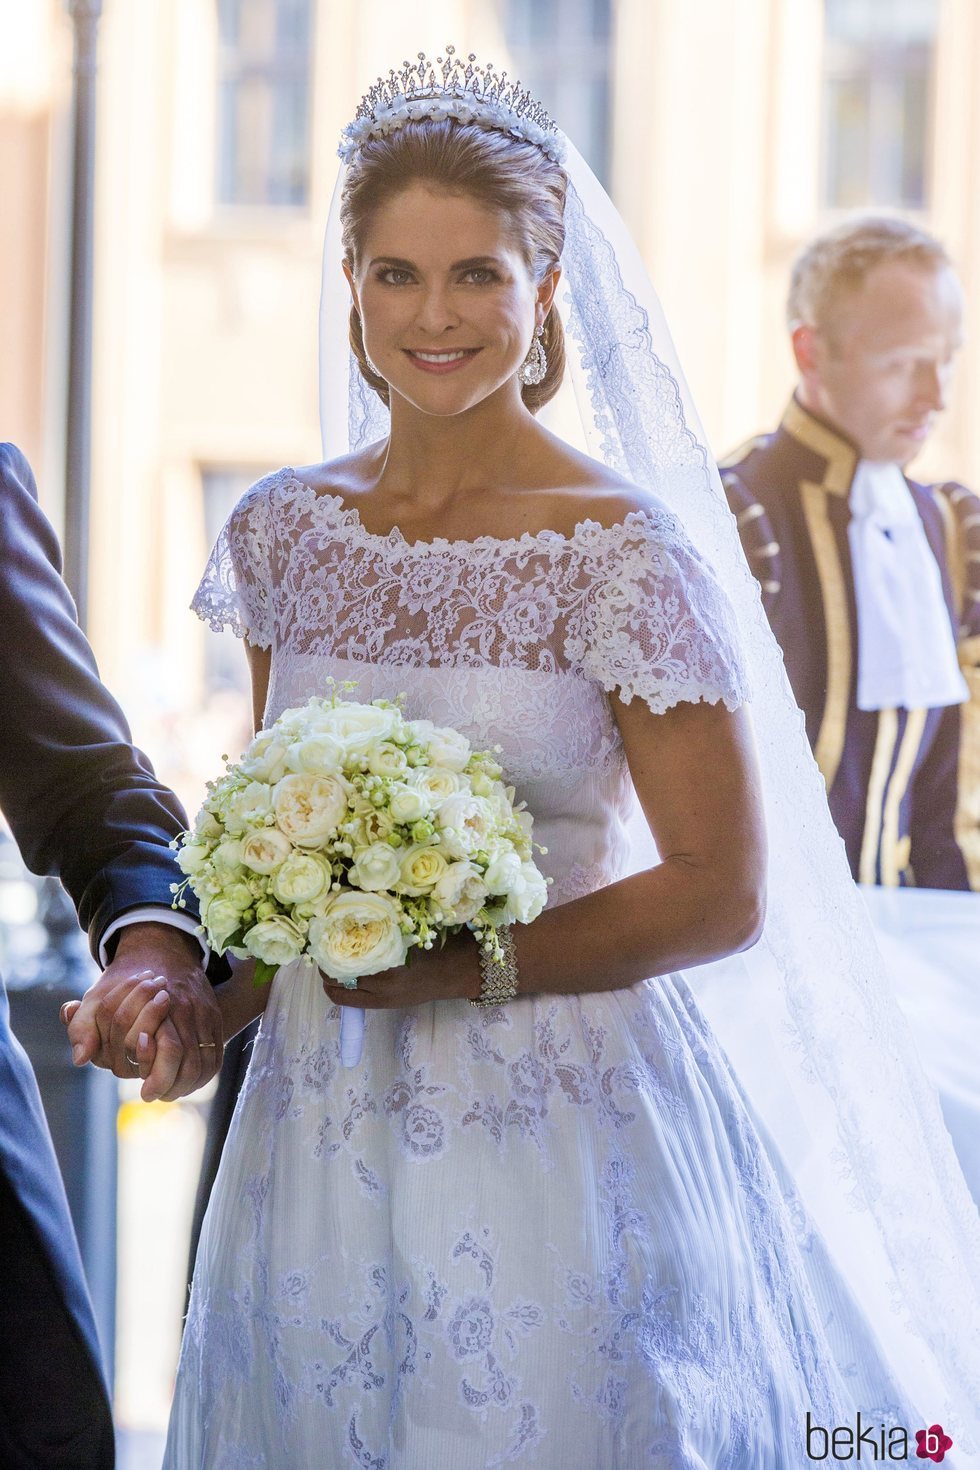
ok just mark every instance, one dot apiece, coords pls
pixel 826 1059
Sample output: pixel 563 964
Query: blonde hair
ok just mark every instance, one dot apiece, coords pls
pixel 838 261
pixel 500 172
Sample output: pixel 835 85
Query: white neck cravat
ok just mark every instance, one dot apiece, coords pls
pixel 906 650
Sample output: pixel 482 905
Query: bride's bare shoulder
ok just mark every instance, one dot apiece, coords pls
pixel 351 474
pixel 594 492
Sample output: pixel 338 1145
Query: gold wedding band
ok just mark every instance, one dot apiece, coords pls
pixel 204 1045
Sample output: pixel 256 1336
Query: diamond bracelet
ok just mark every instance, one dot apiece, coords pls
pixel 498 977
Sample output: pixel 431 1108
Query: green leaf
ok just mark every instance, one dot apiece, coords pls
pixel 264 972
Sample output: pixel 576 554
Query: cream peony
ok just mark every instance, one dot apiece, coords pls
pixel 528 898
pixel 358 935
pixel 227 858
pixel 192 857
pixel 375 867
pixel 467 823
pixel 309 809
pixel 275 941
pixel 264 849
pixel 460 892
pixel 302 878
pixel 420 869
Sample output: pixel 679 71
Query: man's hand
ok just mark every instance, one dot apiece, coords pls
pixel 152 1003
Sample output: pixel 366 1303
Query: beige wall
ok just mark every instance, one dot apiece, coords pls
pixel 206 319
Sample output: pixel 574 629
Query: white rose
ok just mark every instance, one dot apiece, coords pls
pixel 227 858
pixel 386 759
pixel 437 783
pixel 276 941
pixel 320 755
pixel 460 893
pixel 250 805
pixel 207 827
pixel 302 878
pixel 264 849
pixel 448 748
pixel 265 758
pixel 221 918
pixel 309 809
pixel 467 822
pixel 528 898
pixel 358 935
pixel 504 873
pixel 357 726
pixel 420 869
pixel 375 867
pixel 191 857
pixel 407 804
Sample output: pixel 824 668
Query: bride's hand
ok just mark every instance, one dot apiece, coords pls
pixel 449 973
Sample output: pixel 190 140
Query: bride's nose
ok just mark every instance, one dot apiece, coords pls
pixel 436 311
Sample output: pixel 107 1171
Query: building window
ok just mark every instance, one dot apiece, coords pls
pixel 878 61
pixel 264 102
pixel 562 51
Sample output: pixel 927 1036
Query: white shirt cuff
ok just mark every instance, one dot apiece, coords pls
pixel 152 914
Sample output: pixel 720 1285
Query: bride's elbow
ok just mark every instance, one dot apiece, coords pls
pixel 745 917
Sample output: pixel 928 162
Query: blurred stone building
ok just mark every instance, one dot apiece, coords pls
pixel 726 134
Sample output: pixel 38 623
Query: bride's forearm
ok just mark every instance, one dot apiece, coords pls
pixel 666 918
pixel 239 999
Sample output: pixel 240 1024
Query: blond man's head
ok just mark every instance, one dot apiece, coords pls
pixel 875 312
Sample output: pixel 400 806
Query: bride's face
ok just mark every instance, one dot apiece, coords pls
pixel 448 305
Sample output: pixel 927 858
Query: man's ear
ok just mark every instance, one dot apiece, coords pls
pixel 806 350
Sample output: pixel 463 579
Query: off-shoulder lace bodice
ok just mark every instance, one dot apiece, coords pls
pixel 515 641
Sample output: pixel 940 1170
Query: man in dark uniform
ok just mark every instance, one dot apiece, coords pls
pixel 870 580
pixel 82 804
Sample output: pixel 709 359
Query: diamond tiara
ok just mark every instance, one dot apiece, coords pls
pixel 450 87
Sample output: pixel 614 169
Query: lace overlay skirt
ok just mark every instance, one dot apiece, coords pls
pixel 546 1234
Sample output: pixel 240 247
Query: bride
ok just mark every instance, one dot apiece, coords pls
pixel 561 1231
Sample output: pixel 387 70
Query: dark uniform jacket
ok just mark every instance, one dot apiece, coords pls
pixel 903 784
pixel 82 804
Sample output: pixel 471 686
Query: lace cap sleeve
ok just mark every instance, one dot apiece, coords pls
pixel 655 621
pixel 236 589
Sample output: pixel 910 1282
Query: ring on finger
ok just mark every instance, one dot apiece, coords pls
pixel 133 1062
pixel 208 1045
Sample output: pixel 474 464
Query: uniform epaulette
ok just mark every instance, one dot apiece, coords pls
pixel 961 514
pixel 757 535
pixel 733 460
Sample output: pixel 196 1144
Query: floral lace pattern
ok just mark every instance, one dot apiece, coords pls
pixel 507 1232
pixel 545 1234
pixel 631 606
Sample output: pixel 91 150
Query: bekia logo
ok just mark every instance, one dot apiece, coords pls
pixel 874 1443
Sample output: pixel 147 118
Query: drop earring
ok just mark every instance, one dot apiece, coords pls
pixel 535 365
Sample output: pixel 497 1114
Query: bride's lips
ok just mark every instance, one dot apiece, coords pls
pixel 441 362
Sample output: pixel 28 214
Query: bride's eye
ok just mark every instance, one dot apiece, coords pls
pixel 480 275
pixel 393 275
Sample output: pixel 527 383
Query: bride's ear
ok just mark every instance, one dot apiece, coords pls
pixel 348 272
pixel 546 290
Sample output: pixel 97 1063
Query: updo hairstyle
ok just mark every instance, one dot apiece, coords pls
pixel 498 171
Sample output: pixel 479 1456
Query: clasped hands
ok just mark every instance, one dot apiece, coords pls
pixel 154 1014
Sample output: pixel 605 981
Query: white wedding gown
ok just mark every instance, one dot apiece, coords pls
pixel 547 1234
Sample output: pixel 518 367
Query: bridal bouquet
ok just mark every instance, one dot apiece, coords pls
pixel 351 834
